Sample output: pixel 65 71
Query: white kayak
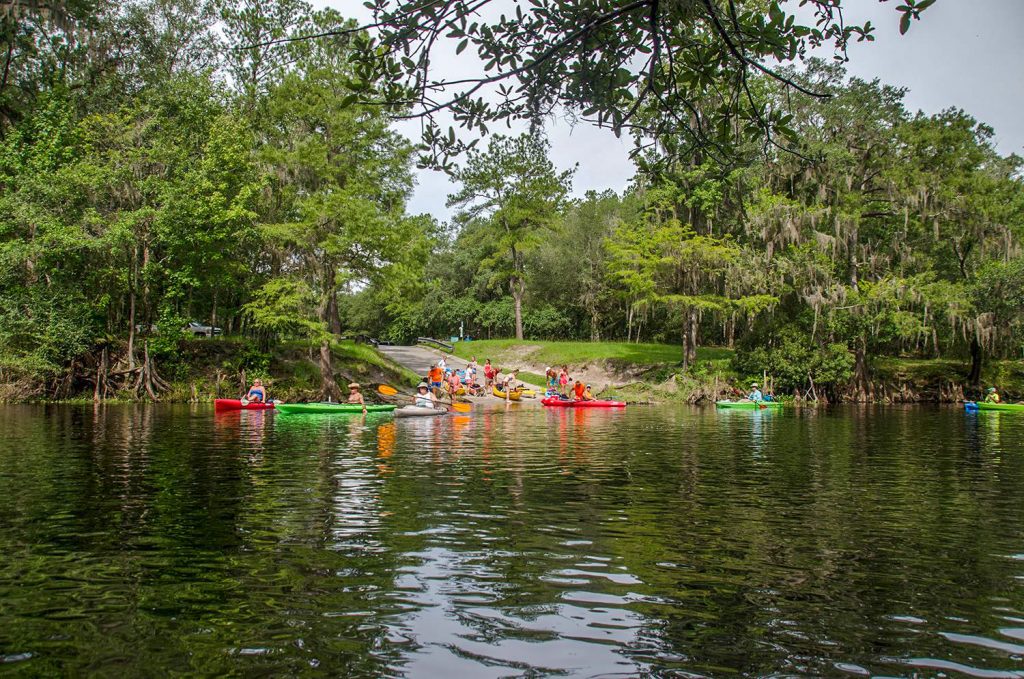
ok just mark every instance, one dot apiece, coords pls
pixel 418 411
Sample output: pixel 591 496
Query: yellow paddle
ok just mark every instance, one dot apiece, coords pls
pixel 388 390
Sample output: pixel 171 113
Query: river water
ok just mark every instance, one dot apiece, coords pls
pixel 519 541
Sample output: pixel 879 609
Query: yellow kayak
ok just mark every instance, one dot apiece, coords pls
pixel 512 396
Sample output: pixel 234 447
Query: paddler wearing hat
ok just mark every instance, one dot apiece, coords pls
pixel 755 395
pixel 424 398
pixel 355 396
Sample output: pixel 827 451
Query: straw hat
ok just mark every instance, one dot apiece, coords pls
pixel 354 385
pixel 422 385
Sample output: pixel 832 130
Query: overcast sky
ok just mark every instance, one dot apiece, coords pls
pixel 963 53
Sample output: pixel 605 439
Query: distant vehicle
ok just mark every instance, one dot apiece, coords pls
pixel 199 330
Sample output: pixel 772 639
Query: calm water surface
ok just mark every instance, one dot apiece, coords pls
pixel 145 541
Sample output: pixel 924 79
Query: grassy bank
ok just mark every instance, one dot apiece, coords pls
pixel 204 369
pixel 633 372
pixel 576 353
pixel 652 372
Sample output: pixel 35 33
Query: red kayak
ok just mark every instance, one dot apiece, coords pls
pixel 236 404
pixel 582 404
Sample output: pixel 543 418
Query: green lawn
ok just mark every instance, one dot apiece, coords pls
pixel 578 353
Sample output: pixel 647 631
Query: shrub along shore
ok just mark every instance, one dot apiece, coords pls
pixel 204 369
pixel 648 372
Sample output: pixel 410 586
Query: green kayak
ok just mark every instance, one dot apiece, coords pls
pixel 332 408
pixel 748 405
pixel 1016 407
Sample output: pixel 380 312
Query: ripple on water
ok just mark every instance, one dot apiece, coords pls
pixel 666 541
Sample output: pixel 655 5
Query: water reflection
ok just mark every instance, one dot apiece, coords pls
pixel 513 541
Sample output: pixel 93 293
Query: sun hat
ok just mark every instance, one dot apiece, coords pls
pixel 354 385
pixel 422 385
pixel 753 384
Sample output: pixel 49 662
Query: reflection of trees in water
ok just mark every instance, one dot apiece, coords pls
pixel 493 525
pixel 824 537
pixel 745 553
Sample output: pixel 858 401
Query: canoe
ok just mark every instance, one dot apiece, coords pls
pixel 1003 407
pixel 419 411
pixel 748 405
pixel 513 396
pixel 559 403
pixel 340 408
pixel 236 404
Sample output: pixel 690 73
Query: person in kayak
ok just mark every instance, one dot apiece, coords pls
pixel 756 396
pixel 563 381
pixel 587 395
pixel 578 390
pixel 424 398
pixel 257 394
pixel 356 396
pixel 992 396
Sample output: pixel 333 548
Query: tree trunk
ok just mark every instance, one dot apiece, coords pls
pixel 333 315
pixel 131 329
pixel 516 286
pixel 328 387
pixel 861 375
pixel 974 379
pixel 595 330
pixel 690 338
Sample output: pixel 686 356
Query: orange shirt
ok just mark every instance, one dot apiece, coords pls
pixel 578 390
pixel 436 375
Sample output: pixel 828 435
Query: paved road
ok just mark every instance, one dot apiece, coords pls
pixel 419 359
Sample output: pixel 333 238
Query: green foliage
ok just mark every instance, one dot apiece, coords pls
pixel 643 66
pixel 178 160
pixel 793 361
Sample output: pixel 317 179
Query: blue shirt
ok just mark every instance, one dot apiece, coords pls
pixel 756 395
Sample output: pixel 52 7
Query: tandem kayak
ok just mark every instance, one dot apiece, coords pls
pixel 559 403
pixel 748 405
pixel 419 411
pixel 971 406
pixel 236 404
pixel 340 408
pixel 512 396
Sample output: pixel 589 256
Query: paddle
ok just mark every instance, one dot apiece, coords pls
pixel 244 401
pixel 388 390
